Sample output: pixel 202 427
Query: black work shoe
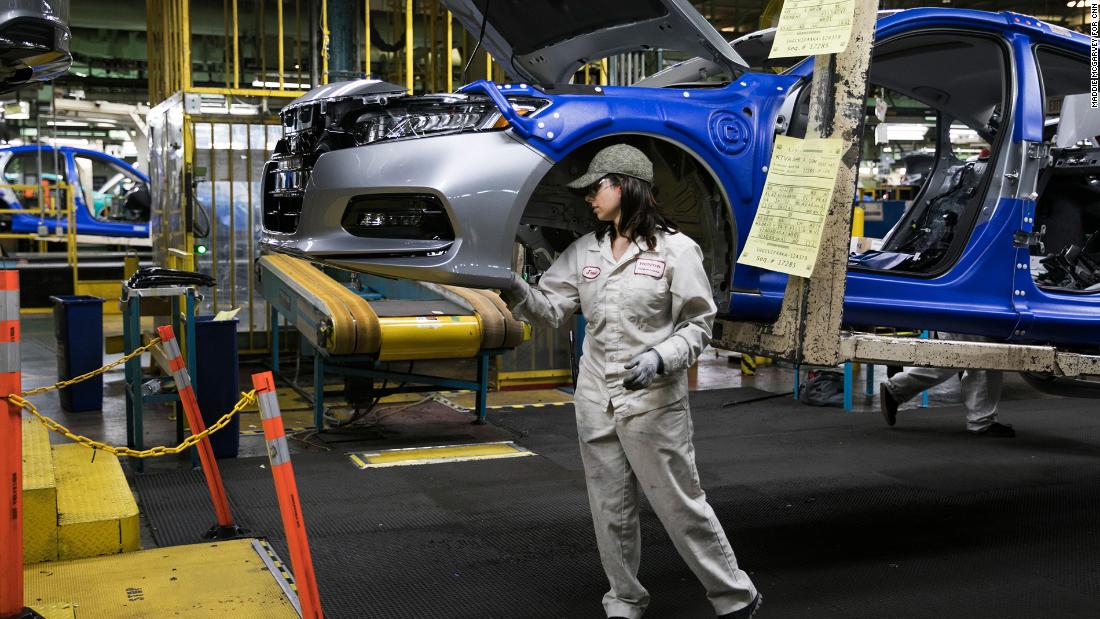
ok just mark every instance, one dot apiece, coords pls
pixel 887 404
pixel 746 612
pixel 996 430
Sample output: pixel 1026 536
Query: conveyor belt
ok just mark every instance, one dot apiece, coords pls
pixel 337 320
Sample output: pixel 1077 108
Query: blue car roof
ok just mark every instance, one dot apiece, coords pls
pixel 76 151
pixel 1004 21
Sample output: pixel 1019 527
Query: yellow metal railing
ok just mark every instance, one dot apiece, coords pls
pixel 175 28
pixel 47 191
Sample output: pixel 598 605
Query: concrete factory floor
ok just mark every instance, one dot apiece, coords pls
pixel 832 513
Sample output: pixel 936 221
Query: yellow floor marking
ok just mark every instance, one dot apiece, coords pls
pixel 358 461
pixel 438 455
pixel 517 399
pixel 56 611
pixel 225 579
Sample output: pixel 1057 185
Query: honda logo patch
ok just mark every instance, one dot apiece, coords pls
pixel 652 268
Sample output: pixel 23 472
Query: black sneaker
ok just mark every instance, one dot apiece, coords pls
pixel 746 612
pixel 996 430
pixel 887 404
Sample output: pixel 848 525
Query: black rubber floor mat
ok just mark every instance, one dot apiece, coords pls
pixel 833 514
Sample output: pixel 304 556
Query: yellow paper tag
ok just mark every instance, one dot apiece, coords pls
pixel 810 27
pixel 786 231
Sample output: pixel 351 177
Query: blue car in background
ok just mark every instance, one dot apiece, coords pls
pixel 111 200
pixel 1000 239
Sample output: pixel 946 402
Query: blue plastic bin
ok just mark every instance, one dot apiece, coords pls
pixel 78 325
pixel 217 384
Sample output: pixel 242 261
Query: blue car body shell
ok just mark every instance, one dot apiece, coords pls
pixel 730 131
pixel 86 224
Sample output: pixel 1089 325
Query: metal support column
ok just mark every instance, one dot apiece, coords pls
pixel 483 386
pixel 341 43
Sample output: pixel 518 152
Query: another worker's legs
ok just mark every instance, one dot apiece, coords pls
pixel 613 498
pixel 915 380
pixel 981 392
pixel 658 445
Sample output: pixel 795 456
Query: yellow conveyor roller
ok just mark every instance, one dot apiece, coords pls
pixel 337 320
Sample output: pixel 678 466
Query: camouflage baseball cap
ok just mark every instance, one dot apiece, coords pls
pixel 616 159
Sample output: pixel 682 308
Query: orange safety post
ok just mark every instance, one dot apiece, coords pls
pixel 225 528
pixel 278 453
pixel 11 454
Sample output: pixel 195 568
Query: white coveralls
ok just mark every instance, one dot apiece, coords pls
pixel 656 299
pixel 981 389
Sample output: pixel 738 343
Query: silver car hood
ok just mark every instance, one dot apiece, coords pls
pixel 545 42
pixel 363 88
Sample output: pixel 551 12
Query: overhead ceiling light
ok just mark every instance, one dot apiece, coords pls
pixel 260 84
pixel 728 29
pixel 243 109
pixel 17 110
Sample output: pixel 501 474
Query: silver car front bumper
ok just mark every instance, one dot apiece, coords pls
pixel 483 180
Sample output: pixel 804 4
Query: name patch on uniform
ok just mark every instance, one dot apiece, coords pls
pixel 591 272
pixel 652 268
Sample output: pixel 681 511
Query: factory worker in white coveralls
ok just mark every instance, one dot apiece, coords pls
pixel 648 302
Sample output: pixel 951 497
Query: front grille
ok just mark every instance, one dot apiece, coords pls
pixel 284 184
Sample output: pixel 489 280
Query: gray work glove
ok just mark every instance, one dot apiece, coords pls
pixel 642 370
pixel 515 291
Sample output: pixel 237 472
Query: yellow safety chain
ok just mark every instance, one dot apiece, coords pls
pixel 162 450
pixel 83 377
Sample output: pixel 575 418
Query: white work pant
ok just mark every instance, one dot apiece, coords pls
pixel 654 449
pixel 981 391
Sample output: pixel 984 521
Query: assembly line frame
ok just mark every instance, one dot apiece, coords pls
pixel 366 366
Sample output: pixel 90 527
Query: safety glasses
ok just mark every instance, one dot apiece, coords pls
pixel 596 188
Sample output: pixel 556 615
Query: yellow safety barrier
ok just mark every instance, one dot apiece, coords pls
pixel 19 400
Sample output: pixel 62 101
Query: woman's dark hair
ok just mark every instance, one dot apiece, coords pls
pixel 640 217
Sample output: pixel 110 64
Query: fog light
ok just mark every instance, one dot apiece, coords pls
pixel 412 216
pixel 408 218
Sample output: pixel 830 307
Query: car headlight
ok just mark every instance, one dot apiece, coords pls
pixel 389 124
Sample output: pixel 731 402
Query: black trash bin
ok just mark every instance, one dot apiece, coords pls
pixel 78 325
pixel 217 385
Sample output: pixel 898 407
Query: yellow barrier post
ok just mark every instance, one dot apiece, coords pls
pixel 410 76
pixel 450 59
pixel 70 229
pixel 366 39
